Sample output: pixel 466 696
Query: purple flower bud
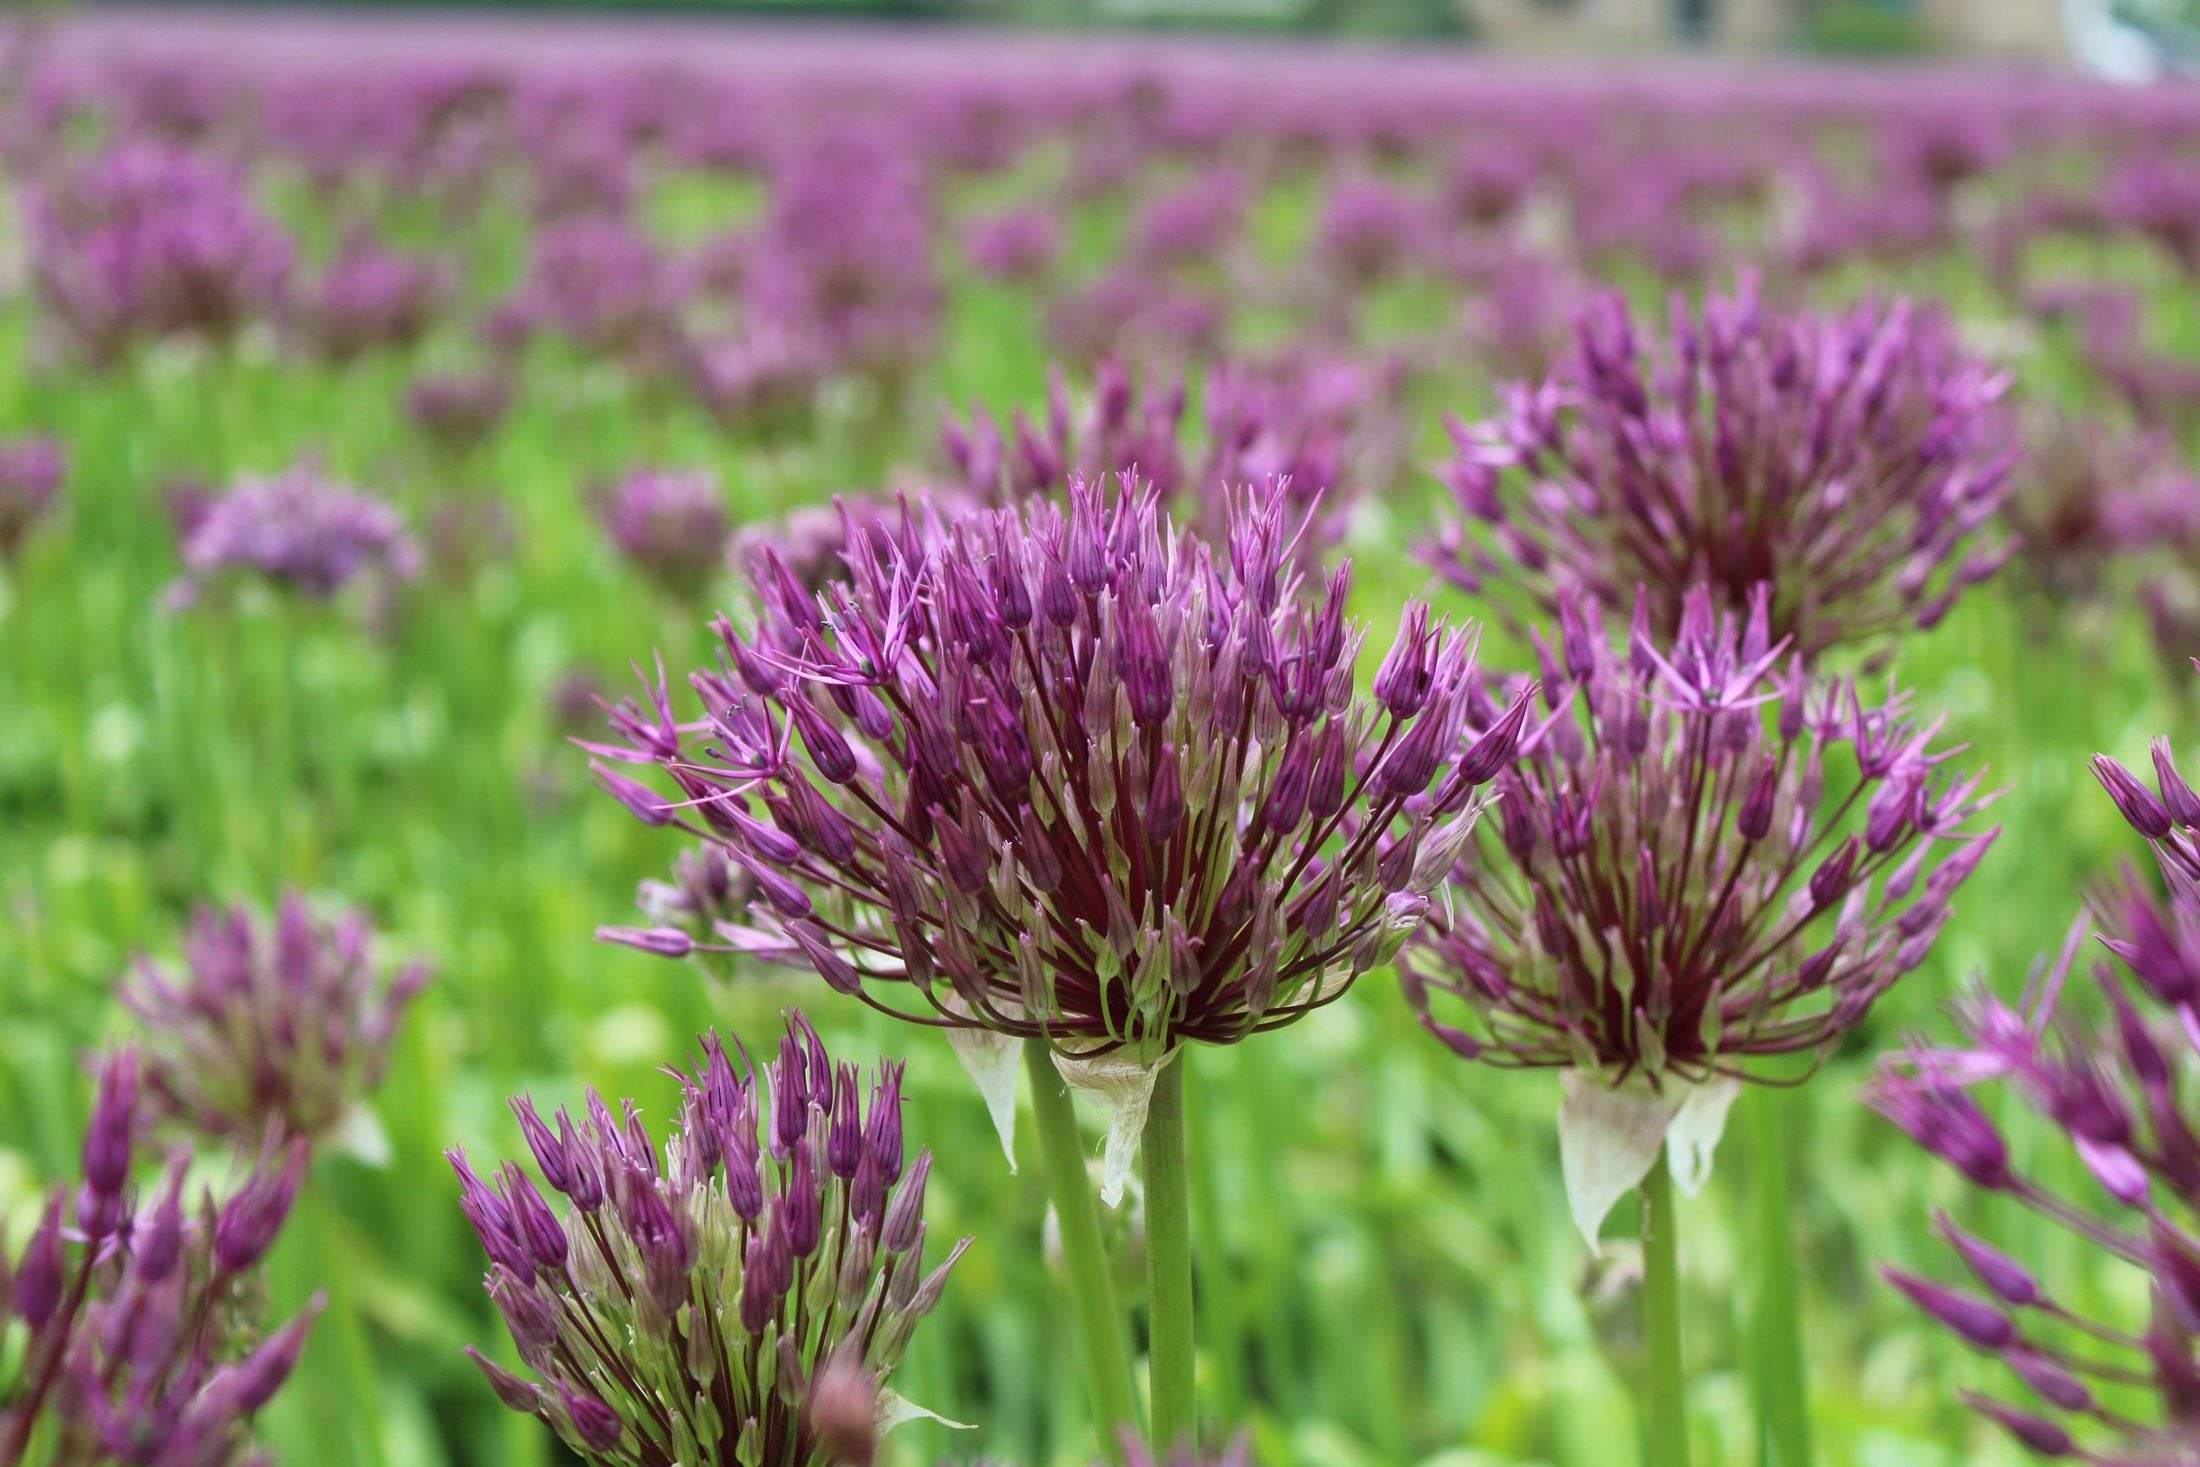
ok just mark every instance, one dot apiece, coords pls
pixel 38 1278
pixel 107 1142
pixel 533 1220
pixel 906 1215
pixel 2177 796
pixel 2038 1435
pixel 595 1424
pixel 1488 755
pixel 844 1140
pixel 1974 1319
pixel 515 1393
pixel 1996 1270
pixel 247 1224
pixel 262 1373
pixel 665 942
pixel 2133 800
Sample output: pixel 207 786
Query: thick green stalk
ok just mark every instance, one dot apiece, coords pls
pixel 1665 1384
pixel 1776 1328
pixel 1169 1261
pixel 1099 1322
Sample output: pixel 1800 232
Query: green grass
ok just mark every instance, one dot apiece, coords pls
pixel 1381 1225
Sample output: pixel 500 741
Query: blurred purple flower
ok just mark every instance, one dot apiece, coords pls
pixel 669 524
pixel 1014 245
pixel 149 240
pixel 1853 464
pixel 281 1026
pixel 31 471
pixel 297 530
pixel 369 299
pixel 140 1334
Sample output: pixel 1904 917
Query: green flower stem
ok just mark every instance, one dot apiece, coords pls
pixel 1099 1321
pixel 1169 1261
pixel 1783 1408
pixel 1665 1403
pixel 1212 1277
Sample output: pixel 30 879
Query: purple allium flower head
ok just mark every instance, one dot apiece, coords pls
pixel 458 410
pixel 1061 770
pixel 1320 428
pixel 149 240
pixel 762 380
pixel 140 1321
pixel 694 1301
pixel 1854 464
pixel 669 524
pixel 1675 894
pixel 297 530
pixel 844 254
pixel 31 471
pixel 369 298
pixel 1016 245
pixel 282 1024
pixel 602 284
pixel 2089 495
pixel 1370 228
pixel 2115 1076
pixel 1191 221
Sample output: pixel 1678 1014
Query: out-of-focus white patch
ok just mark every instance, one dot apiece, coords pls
pixel 1125 1087
pixel 991 1060
pixel 359 1135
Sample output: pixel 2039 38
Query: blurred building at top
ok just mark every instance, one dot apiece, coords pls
pixel 2032 30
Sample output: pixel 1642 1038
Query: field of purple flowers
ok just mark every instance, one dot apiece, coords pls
pixel 748 747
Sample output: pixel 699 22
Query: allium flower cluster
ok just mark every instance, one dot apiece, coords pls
pixel 603 285
pixel 139 1339
pixel 1064 772
pixel 844 257
pixel 669 524
pixel 151 240
pixel 280 1026
pixel 1854 463
pixel 31 471
pixel 1703 861
pixel 296 530
pixel 458 410
pixel 2116 1077
pixel 1295 421
pixel 370 299
pixel 2089 495
pixel 686 1301
pixel 1017 244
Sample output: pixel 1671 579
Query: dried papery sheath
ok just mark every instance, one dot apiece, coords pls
pixel 1702 859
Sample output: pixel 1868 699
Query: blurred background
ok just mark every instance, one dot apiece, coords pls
pixel 778 245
